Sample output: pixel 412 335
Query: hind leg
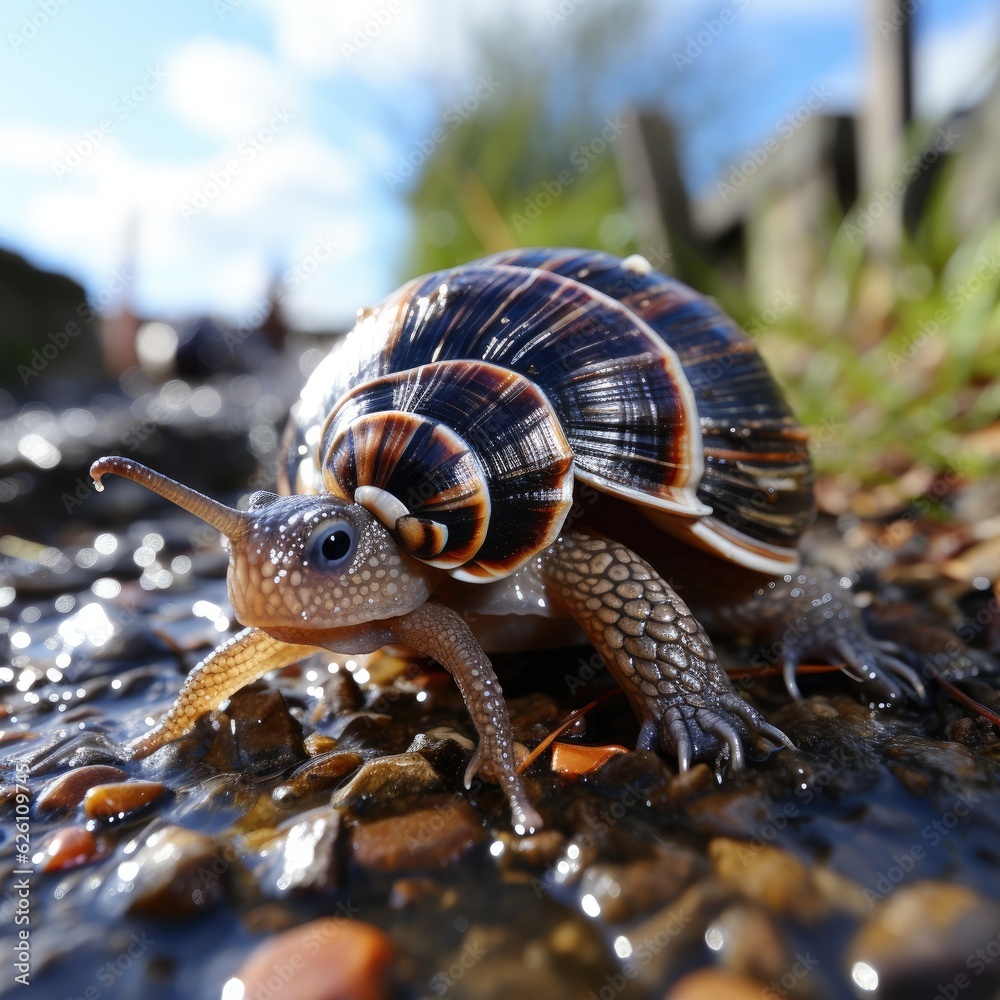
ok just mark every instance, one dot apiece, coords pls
pixel 656 650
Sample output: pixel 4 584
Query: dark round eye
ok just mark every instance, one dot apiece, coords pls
pixel 333 544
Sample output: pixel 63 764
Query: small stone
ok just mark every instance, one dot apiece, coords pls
pixel 627 890
pixel 534 851
pixel 304 857
pixel 268 738
pixel 447 753
pixel 117 798
pixel 748 943
pixel 341 696
pixel 332 958
pixel 427 838
pixel 317 744
pixel 929 932
pixel 174 874
pixel 711 984
pixel 768 876
pixel 316 775
pixel 70 847
pixel 386 781
pixel 67 791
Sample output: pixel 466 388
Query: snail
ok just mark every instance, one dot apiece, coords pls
pixel 541 434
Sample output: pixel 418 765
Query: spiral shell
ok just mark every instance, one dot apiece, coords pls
pixel 472 397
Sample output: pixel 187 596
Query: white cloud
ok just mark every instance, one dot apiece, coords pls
pixel 222 89
pixel 294 193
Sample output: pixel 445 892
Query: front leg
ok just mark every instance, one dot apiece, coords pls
pixel 432 629
pixel 656 650
pixel 238 662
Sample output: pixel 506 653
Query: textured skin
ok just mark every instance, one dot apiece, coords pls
pixel 432 629
pixel 240 661
pixel 810 614
pixel 655 648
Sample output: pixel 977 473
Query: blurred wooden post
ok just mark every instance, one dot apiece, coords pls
pixel 886 109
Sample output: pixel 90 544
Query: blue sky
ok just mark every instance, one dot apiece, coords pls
pixel 229 140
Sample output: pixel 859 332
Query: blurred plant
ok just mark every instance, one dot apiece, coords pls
pixel 529 167
pixel 904 359
pixel 901 358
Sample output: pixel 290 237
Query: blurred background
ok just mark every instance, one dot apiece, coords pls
pixel 193 199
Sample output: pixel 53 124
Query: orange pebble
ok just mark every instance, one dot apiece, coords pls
pixel 69 848
pixel 572 759
pixel 103 801
pixel 332 958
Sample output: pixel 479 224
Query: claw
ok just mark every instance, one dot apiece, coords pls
pixel 473 766
pixel 755 722
pixel 727 734
pixel 678 729
pixel 788 671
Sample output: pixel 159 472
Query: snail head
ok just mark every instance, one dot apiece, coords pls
pixel 312 561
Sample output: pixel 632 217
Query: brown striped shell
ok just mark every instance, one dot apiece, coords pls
pixel 462 408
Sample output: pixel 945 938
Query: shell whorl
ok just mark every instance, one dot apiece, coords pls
pixel 472 451
pixel 663 400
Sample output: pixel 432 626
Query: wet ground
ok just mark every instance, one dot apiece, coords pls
pixel 329 797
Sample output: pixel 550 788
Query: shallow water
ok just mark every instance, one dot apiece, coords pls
pixel 865 863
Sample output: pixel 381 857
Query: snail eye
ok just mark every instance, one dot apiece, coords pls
pixel 332 545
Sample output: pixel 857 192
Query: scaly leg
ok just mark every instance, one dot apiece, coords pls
pixel 432 629
pixel 238 662
pixel 655 649
pixel 809 613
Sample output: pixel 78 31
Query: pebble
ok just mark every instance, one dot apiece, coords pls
pixel 332 958
pixel 929 932
pixel 268 738
pixel 427 838
pixel 748 943
pixel 174 874
pixel 305 856
pixel 534 851
pixel 626 890
pixel 768 876
pixel 711 984
pixel 381 783
pixel 116 798
pixel 67 791
pixel 316 775
pixel 70 847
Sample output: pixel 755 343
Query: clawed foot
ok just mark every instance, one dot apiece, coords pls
pixel 810 616
pixel 700 732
